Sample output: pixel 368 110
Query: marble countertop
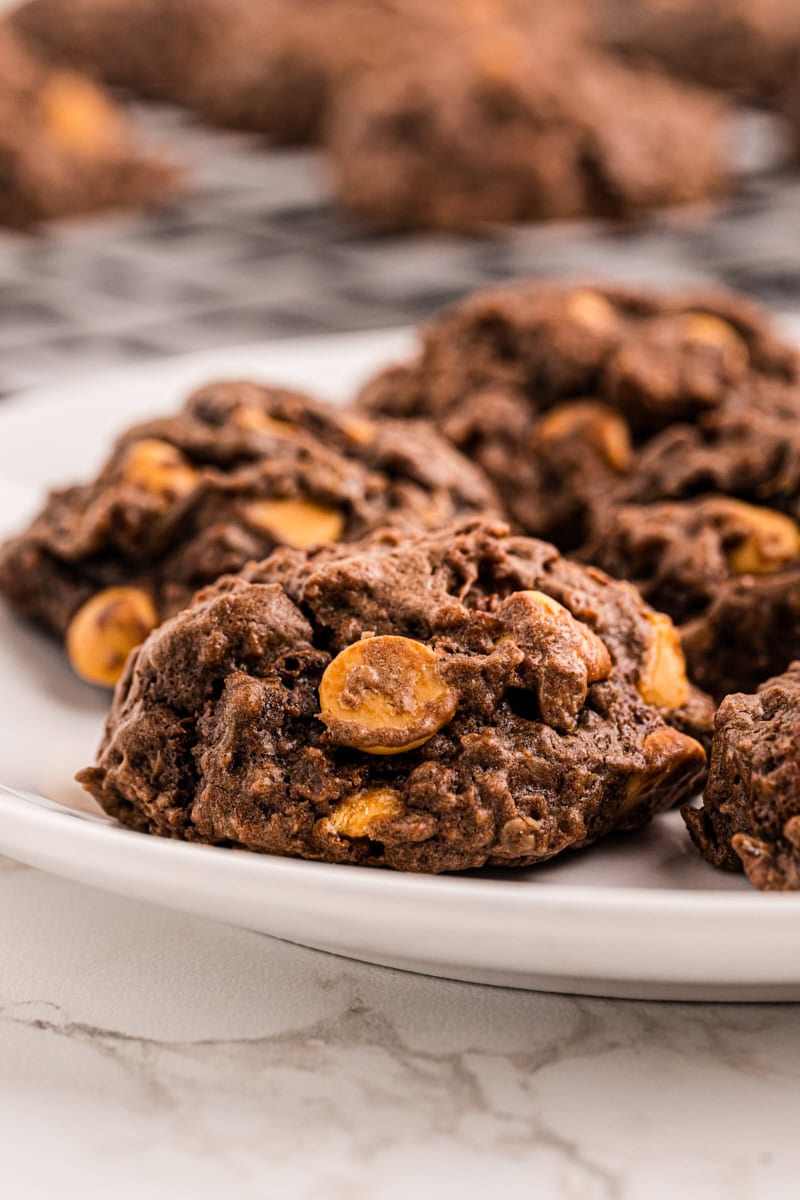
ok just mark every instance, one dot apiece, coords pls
pixel 143 1053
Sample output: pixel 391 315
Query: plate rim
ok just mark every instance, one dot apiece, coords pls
pixel 51 837
pixel 468 887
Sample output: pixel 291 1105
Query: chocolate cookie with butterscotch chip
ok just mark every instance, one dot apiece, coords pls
pixel 519 122
pixel 726 570
pixel 429 702
pixel 65 146
pixel 184 499
pixel 750 818
pixel 707 523
pixel 269 66
pixel 557 391
pixel 743 45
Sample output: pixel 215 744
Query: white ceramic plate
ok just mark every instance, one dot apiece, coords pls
pixel 638 916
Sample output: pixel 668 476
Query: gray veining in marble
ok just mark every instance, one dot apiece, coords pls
pixel 147 1053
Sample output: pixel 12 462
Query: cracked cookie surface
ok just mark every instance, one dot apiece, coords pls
pixel 750 819
pixel 557 390
pixel 184 499
pixel 707 523
pixel 426 702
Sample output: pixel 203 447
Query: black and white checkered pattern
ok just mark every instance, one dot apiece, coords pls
pixel 258 250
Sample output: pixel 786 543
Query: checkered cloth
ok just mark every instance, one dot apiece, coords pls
pixel 257 249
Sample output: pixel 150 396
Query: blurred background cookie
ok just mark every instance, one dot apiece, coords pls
pixel 65 145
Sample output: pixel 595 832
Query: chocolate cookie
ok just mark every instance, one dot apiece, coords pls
pixel 232 61
pixel 152 47
pixel 65 147
pixel 271 66
pixel 747 45
pixel 556 391
pixel 185 499
pixel 707 523
pixel 512 125
pixel 428 702
pixel 750 819
pixel 728 571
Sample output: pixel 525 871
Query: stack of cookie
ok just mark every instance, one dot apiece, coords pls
pixel 446 115
pixel 375 670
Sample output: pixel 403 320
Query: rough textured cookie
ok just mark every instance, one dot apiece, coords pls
pixel 748 446
pixel 750 819
pixel 271 66
pixel 430 703
pixel 707 523
pixel 556 391
pixel 511 125
pixel 726 570
pixel 235 62
pixel 152 47
pixel 65 147
pixel 185 499
pixel 748 45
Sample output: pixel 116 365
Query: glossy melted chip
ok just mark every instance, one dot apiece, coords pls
pixel 159 468
pixel 358 814
pixel 296 523
pixel 773 540
pixel 384 695
pixel 105 629
pixel 663 680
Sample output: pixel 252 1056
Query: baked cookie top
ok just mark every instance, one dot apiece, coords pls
pixel 272 66
pixel 747 45
pixel 706 521
pixel 557 390
pixel 517 121
pixel 750 819
pixel 184 499
pixel 65 145
pixel 428 702
pixel 728 571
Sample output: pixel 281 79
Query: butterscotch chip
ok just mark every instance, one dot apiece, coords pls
pixel 773 540
pixel 663 680
pixel 77 113
pixel 105 630
pixel 159 468
pixel 297 523
pixel 355 816
pixel 591 309
pixel 670 757
pixel 359 430
pixel 255 420
pixel 385 695
pixel 713 331
pixel 593 422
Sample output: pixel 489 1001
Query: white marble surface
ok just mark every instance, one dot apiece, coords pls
pixel 148 1054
